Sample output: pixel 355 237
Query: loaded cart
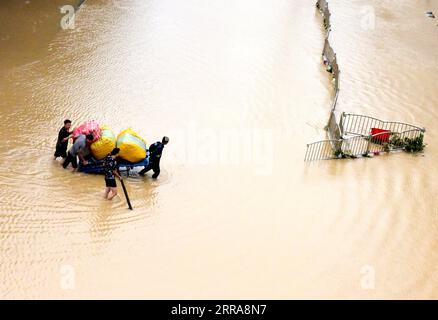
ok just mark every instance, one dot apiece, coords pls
pixel 96 166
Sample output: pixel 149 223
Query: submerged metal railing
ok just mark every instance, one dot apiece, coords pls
pixel 358 145
pixel 321 150
pixel 360 124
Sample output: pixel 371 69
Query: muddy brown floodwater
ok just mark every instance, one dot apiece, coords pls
pixel 236 213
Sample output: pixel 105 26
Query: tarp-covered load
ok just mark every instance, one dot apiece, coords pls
pixel 132 146
pixel 89 127
pixel 107 142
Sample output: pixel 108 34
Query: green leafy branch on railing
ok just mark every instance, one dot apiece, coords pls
pixel 408 144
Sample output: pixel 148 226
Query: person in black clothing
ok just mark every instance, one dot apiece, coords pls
pixel 156 149
pixel 110 168
pixel 62 143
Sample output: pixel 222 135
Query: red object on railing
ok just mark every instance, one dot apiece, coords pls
pixel 382 137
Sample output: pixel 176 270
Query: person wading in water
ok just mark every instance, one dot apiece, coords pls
pixel 79 149
pixel 62 143
pixel 156 149
pixel 110 168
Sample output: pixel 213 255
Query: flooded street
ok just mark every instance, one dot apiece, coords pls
pixel 236 213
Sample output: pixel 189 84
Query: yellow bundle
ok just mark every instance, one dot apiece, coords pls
pixel 102 147
pixel 132 146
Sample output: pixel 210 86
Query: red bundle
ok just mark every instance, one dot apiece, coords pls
pixel 89 127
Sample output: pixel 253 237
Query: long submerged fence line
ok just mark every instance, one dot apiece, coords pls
pixel 330 62
pixel 354 135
